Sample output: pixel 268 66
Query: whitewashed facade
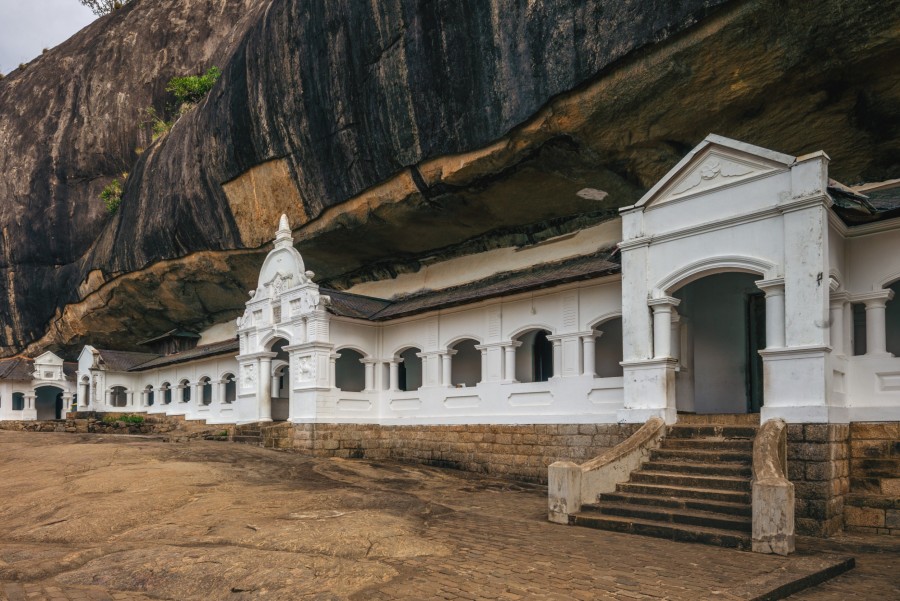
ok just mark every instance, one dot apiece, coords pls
pixel 38 389
pixel 737 292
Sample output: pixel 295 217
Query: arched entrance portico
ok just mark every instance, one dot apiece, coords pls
pixel 48 402
pixel 718 330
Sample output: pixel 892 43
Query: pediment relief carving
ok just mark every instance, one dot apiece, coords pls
pixel 713 169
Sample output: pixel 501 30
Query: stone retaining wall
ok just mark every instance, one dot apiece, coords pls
pixel 522 452
pixel 874 501
pixel 108 423
pixel 819 467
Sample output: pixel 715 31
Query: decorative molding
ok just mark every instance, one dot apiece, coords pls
pixel 686 274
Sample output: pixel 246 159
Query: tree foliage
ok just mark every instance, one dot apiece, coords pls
pixel 112 194
pixel 104 7
pixel 193 88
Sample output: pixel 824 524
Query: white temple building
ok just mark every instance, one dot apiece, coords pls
pixel 743 281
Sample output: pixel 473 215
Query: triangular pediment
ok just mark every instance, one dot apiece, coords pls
pixel 716 162
pixel 48 358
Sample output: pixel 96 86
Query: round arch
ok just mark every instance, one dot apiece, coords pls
pixel 349 370
pixel 229 389
pixel 272 338
pixel 184 387
pixel 118 396
pixel 533 326
pixel 48 401
pixel 462 337
pixel 149 395
pixel 710 266
pixel 405 347
pixel 353 347
pixel 534 355
pixel 166 389
pixel 465 362
pixel 596 323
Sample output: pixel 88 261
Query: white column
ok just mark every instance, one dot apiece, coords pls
pixel 67 404
pixel 196 394
pixel 675 336
pixel 108 400
pixel 446 365
pixel 509 364
pixel 589 353
pixel 370 373
pixel 662 325
pixel 129 396
pixel 218 397
pixel 876 334
pixel 265 388
pixel 83 389
pixel 557 358
pixel 395 374
pixel 775 325
pixel 838 300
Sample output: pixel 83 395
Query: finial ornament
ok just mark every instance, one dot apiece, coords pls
pixel 283 236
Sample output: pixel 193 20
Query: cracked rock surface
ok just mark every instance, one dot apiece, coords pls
pixel 389 132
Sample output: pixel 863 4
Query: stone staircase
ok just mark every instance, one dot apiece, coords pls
pixel 694 488
pixel 271 435
pixel 248 434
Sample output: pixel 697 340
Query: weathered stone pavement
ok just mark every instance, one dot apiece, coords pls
pixel 101 517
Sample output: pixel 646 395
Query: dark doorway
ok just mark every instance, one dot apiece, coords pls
pixel 543 357
pixel 756 341
pixel 59 406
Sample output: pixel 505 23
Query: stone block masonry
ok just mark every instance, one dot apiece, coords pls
pixel 819 467
pixel 522 452
pixel 873 505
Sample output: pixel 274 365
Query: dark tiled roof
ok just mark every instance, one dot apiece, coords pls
pixel 354 305
pixel 537 277
pixel 16 368
pixel 70 370
pixel 123 360
pixel 856 207
pixel 198 352
pixel 176 333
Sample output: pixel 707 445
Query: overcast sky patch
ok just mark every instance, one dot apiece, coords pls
pixel 29 26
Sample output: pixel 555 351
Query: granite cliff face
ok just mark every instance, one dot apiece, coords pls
pixel 390 131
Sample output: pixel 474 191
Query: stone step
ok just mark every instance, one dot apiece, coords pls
pixel 643 476
pixel 254 440
pixel 701 456
pixel 874 501
pixel 711 431
pixel 709 444
pixel 719 418
pixel 684 492
pixel 735 470
pixel 741 509
pixel 676 532
pixel 690 517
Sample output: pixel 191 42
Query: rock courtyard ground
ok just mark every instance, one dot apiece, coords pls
pixel 113 517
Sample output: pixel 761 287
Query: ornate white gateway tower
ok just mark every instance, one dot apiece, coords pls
pixel 285 353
